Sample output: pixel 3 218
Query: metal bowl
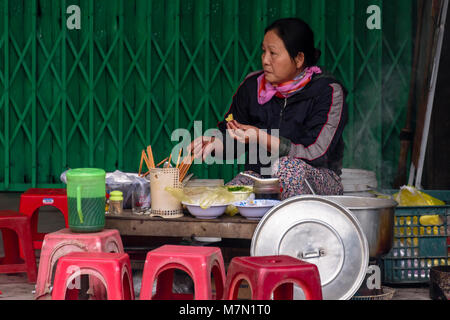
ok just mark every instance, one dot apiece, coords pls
pixel 376 217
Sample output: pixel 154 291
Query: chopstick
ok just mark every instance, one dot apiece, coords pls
pixel 146 159
pixel 185 167
pixel 140 164
pixel 150 154
pixel 185 171
pixel 162 162
pixel 180 170
pixel 168 161
pixel 179 155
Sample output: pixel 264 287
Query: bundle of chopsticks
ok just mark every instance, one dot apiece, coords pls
pixel 147 157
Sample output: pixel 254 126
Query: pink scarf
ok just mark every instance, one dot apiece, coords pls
pixel 286 89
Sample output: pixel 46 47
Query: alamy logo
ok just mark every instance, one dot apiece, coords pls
pixel 74 272
pixel 374 20
pixel 374 280
pixel 74 20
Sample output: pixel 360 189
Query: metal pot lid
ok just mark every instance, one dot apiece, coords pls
pixel 318 231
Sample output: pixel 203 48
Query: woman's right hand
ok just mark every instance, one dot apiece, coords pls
pixel 203 146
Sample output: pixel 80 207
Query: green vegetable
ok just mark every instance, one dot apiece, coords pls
pixel 237 188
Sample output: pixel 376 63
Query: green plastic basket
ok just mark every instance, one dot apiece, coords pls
pixel 418 247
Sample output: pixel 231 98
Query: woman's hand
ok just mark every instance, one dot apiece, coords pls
pixel 242 132
pixel 203 146
pixel 250 134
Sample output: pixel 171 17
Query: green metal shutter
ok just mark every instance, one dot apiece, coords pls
pixel 139 69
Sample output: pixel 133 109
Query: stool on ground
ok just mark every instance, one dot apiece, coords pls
pixel 112 269
pixel 60 243
pixel 267 275
pixel 16 234
pixel 198 262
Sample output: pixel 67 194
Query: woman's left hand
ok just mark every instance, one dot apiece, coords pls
pixel 242 132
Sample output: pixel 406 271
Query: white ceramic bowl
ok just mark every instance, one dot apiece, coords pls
pixel 241 195
pixel 212 212
pixel 255 209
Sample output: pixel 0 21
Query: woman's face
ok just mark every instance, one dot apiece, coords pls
pixel 278 65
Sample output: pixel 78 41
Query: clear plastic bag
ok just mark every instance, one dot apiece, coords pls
pixel 203 196
pixel 140 196
pixel 128 183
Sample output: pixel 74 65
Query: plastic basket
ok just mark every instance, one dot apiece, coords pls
pixel 388 294
pixel 418 247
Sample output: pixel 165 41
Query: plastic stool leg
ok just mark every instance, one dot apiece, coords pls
pixel 28 251
pixel 232 291
pixel 127 294
pixel 34 222
pixel 284 292
pixel 219 279
pixel 115 291
pixel 59 291
pixel 203 286
pixel 10 246
pixel 164 285
pixel 312 287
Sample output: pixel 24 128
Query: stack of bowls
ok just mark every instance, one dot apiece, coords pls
pixel 357 182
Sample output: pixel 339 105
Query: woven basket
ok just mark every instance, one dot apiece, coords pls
pixel 388 294
pixel 163 203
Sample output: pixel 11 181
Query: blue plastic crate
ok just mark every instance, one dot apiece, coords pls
pixel 417 247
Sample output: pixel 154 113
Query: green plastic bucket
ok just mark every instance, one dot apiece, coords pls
pixel 86 190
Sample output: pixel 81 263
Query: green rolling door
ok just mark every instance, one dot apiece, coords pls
pixel 139 69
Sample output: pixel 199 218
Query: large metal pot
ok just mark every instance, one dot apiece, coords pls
pixel 376 217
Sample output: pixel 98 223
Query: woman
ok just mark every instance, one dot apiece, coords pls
pixel 293 95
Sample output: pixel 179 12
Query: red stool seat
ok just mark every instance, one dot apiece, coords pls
pixel 112 269
pixel 15 229
pixel 273 274
pixel 60 243
pixel 34 198
pixel 198 262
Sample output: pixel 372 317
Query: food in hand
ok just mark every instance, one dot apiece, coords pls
pixel 229 118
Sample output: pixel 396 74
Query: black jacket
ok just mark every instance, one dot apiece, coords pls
pixel 310 122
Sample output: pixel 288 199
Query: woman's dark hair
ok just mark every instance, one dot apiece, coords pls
pixel 297 37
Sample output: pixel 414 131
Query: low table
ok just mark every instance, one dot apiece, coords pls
pixel 129 224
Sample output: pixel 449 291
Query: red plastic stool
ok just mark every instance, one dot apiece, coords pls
pixel 60 243
pixel 277 274
pixel 32 199
pixel 16 230
pixel 197 262
pixel 112 269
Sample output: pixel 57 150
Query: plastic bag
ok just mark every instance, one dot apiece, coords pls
pixel 409 196
pixel 231 210
pixel 240 192
pixel 203 196
pixel 129 183
pixel 140 197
